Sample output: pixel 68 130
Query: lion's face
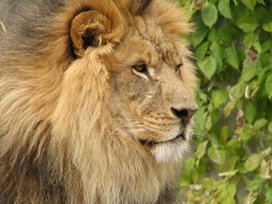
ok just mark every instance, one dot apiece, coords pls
pixel 153 92
pixel 152 82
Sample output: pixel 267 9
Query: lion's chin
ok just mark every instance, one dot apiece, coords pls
pixel 170 152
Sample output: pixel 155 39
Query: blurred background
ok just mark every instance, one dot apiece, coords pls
pixel 232 161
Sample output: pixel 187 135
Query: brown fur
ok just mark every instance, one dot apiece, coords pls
pixel 71 117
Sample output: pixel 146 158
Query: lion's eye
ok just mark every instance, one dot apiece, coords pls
pixel 141 70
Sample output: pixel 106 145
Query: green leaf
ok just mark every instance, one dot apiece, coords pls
pixel 260 123
pixel 208 183
pixel 189 166
pixel 245 136
pixel 247 23
pixel 213 35
pixel 201 149
pixel 250 112
pixel 231 190
pixel 263 15
pixel 266 152
pixel 217 51
pixel 218 156
pixel 267 45
pixel 232 57
pixel 268 27
pixel 226 199
pixel 237 91
pixel 231 161
pixel 270 127
pixel 252 163
pixel 202 50
pixel 228 34
pixel 248 72
pixel 209 15
pixel 261 2
pixel 219 97
pixel 208 123
pixel 264 171
pixel 250 38
pixel 195 175
pixel 201 117
pixel 250 4
pixel 255 184
pixel 224 8
pixel 229 108
pixel 199 35
pixel 185 181
pixel 208 66
pixel 269 194
pixel 268 86
pixel 202 97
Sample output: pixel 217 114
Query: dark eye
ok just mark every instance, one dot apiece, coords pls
pixel 142 68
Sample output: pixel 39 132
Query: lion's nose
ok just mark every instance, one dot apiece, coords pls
pixel 184 114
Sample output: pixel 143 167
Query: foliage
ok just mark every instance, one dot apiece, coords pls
pixel 233 158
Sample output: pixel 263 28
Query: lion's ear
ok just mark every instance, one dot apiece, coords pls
pixel 89 28
pixel 138 6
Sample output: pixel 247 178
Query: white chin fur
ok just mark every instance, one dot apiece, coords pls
pixel 175 151
pixel 170 151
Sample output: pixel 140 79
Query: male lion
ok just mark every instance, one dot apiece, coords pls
pixel 96 101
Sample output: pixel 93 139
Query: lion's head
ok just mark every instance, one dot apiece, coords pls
pixel 152 96
pixel 100 95
pixel 151 81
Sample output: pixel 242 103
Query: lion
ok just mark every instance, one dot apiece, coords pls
pixel 97 99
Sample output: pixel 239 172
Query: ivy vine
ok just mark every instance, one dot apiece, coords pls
pixel 233 133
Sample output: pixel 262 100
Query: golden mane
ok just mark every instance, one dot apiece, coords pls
pixel 58 139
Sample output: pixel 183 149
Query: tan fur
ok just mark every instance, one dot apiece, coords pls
pixel 70 124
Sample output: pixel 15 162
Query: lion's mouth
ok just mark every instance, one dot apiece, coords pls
pixel 152 142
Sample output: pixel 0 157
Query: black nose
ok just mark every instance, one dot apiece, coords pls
pixel 184 114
